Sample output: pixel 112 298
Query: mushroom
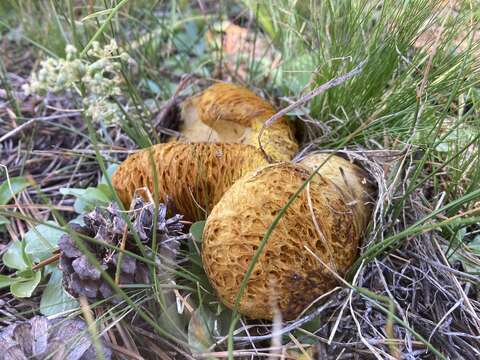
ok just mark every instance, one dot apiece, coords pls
pixel 192 176
pixel 234 114
pixel 195 175
pixel 319 234
pixel 317 237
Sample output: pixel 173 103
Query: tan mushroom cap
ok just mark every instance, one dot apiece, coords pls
pixel 287 275
pixel 230 113
pixel 351 180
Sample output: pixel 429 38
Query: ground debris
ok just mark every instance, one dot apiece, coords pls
pixel 42 338
pixel 109 228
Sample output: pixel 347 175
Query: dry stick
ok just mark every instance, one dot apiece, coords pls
pixel 276 341
pixel 171 102
pixel 46 262
pixel 372 297
pixel 301 347
pixel 352 311
pixel 468 304
pixel 118 270
pixel 306 98
pixel 239 353
pixel 130 354
pixel 128 342
pixel 92 329
pixel 31 121
pixel 337 321
pixel 285 329
pixel 389 326
pixel 448 268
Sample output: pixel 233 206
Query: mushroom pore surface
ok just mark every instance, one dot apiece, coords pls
pixel 287 275
pixel 192 176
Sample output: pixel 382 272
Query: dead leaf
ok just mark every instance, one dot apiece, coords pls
pixel 238 46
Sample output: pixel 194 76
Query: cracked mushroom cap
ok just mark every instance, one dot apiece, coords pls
pixel 317 231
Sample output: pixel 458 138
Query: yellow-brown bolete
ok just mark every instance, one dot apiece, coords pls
pixel 235 114
pixel 192 176
pixel 243 192
pixel 195 175
pixel 319 234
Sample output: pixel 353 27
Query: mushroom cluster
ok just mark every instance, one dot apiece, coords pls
pixel 242 191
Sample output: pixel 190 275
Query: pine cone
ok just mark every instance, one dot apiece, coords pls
pixel 80 277
pixel 40 338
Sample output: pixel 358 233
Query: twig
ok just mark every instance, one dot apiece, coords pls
pixel 123 242
pixel 171 102
pixel 92 328
pixel 241 353
pixel 31 121
pixel 437 265
pixel 124 351
pixel 307 97
pixel 46 262
pixel 39 206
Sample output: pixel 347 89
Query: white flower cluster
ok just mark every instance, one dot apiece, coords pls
pixel 100 79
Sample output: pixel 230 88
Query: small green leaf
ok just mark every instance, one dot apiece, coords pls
pixel 459 255
pixel 14 258
pixel 173 322
pixel 107 192
pixel 456 139
pixel 41 241
pixel 72 191
pixel 8 191
pixel 153 87
pixel 25 288
pixel 55 299
pixel 200 330
pixel 460 235
pixel 7 280
pixel 88 199
pixel 296 73
pixel 80 205
pixel 25 274
pixel 474 245
pixel 197 230
pixel 443 147
pixel 96 14
pixel 48 269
